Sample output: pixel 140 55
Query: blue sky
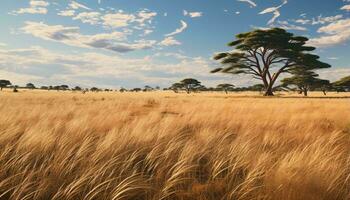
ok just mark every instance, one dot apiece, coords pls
pixel 130 43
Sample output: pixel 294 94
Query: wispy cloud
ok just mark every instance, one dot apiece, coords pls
pixel 192 14
pixel 346 7
pixel 169 41
pixel 250 2
pixel 35 7
pixel 274 10
pixel 179 30
pixel 114 41
pixel 335 33
pixel 75 5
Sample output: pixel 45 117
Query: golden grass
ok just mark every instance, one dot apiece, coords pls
pixel 64 145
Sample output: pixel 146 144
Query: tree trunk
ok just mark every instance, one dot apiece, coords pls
pixel 226 91
pixel 305 92
pixel 268 91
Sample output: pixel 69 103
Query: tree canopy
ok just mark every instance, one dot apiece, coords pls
pixel 304 80
pixel 190 84
pixel 266 54
pixel 30 86
pixel 343 82
pixel 4 83
pixel 226 87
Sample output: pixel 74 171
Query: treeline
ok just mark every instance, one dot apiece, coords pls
pixel 31 86
pixel 191 85
pixel 303 86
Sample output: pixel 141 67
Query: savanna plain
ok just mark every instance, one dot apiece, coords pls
pixel 162 145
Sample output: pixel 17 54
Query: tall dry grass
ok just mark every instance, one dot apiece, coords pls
pixel 63 145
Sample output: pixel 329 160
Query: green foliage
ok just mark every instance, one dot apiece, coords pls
pixel 343 82
pixel 256 52
pixel 30 86
pixel 304 80
pixel 190 84
pixel 225 87
pixel 4 83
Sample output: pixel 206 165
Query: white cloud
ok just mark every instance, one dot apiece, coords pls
pixel 75 5
pixel 250 2
pixel 169 41
pixel 35 7
pixel 66 13
pixel 346 7
pixel 179 30
pixel 72 36
pixel 192 14
pixel 286 25
pixel 324 20
pixel 319 20
pixel 335 33
pixel 88 17
pixel 274 10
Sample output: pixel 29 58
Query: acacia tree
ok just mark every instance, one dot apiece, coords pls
pixel 266 54
pixel 176 87
pixel 30 86
pixel 190 84
pixel 305 80
pixel 343 83
pixel 225 87
pixel 4 83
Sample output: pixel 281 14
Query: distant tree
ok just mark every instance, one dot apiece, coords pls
pixel 176 87
pixel 122 90
pixel 30 86
pixel 4 83
pixel 136 90
pixel 266 54
pixel 157 88
pixel 342 84
pixel 148 88
pixel 44 87
pixel 77 88
pixel 190 84
pixel 225 87
pixel 256 87
pixel 200 88
pixel 94 89
pixel 57 87
pixel 304 80
pixel 64 87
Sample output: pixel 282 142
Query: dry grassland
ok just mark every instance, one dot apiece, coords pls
pixel 64 145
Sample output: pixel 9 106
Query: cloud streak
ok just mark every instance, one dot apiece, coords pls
pixel 179 30
pixel 250 2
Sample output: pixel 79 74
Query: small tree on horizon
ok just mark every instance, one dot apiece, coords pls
pixel 343 83
pixel 176 87
pixel 305 80
pixel 4 83
pixel 226 87
pixel 30 86
pixel 190 84
pixel 266 54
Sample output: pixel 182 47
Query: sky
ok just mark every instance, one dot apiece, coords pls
pixel 133 43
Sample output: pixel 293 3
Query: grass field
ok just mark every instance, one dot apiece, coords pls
pixel 64 145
